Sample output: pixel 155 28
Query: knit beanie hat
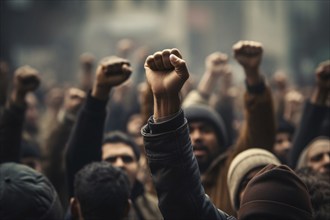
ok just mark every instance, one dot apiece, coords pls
pixel 27 194
pixel 242 164
pixel 276 192
pixel 205 113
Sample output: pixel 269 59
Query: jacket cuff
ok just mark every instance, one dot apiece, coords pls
pixel 95 105
pixel 166 126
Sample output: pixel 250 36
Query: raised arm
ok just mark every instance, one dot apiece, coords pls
pixel 168 148
pixel 26 79
pixel 315 113
pixel 57 139
pixel 258 129
pixel 86 138
pixel 215 67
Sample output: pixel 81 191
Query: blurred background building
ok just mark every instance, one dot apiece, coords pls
pixel 50 35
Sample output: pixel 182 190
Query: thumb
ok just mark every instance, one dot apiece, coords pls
pixel 179 66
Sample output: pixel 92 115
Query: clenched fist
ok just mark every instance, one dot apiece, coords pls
pixel 111 71
pixel 249 54
pixel 26 79
pixel 166 73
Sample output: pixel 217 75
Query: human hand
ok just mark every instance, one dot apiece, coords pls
pixel 216 64
pixel 73 100
pixel 112 71
pixel 26 79
pixel 323 75
pixel 321 94
pixel 249 54
pixel 280 80
pixel 166 73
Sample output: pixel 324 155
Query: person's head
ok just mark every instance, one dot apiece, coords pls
pixel 27 194
pixel 121 151
pixel 243 168
pixel 207 133
pixel 318 187
pixel 30 154
pixel 275 192
pixel 316 155
pixel 283 140
pixel 133 127
pixel 101 191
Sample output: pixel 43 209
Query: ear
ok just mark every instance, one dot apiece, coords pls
pixel 75 208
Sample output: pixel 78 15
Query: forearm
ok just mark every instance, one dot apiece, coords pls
pixel 207 84
pixel 85 141
pixel 166 106
pixel 258 129
pixel 309 128
pixel 55 145
pixel 175 171
pixel 11 127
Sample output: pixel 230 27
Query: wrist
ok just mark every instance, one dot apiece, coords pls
pixel 166 106
pixel 101 92
pixel 207 83
pixel 253 76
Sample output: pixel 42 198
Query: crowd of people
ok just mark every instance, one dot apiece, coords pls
pixel 117 147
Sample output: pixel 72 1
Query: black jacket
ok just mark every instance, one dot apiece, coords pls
pixel 175 172
pixel 314 122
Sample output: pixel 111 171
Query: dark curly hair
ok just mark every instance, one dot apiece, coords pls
pixel 102 191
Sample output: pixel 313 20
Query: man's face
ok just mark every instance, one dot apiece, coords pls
pixel 282 146
pixel 122 156
pixel 204 142
pixel 318 157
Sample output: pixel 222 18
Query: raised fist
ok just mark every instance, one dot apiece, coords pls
pixel 216 63
pixel 73 100
pixel 26 79
pixel 166 73
pixel 112 71
pixel 280 80
pixel 248 54
pixel 323 75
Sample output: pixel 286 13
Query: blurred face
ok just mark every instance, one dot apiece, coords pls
pixel 318 156
pixel 134 129
pixel 122 156
pixel 204 142
pixel 282 146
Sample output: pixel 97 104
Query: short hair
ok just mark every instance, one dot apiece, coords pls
pixel 120 137
pixel 319 190
pixel 102 191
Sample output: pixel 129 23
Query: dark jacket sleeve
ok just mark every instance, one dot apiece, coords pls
pixel 85 141
pixel 11 127
pixel 175 171
pixel 310 126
